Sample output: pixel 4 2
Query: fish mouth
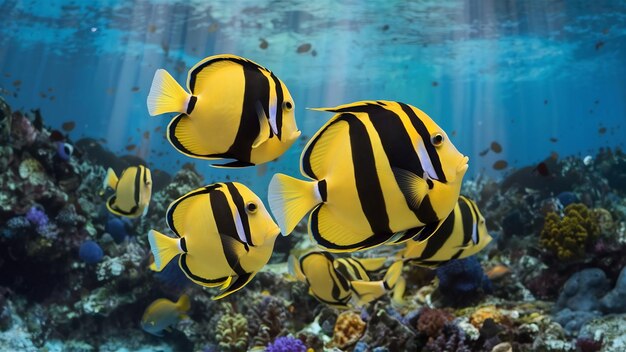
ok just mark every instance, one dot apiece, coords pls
pixel 463 165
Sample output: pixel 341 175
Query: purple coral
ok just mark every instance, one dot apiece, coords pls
pixel 462 280
pixel 37 217
pixel 286 344
pixel 452 339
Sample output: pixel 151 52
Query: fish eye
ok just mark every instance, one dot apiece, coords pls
pixel 437 139
pixel 251 207
pixel 287 105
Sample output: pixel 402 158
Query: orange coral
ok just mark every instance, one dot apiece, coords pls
pixel 481 314
pixel 567 236
pixel 348 329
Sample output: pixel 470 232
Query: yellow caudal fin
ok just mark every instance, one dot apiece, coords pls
pixel 183 303
pixel 164 249
pixel 110 180
pixel 291 199
pixel 395 281
pixel 394 273
pixel 368 291
pixel 398 292
pixel 166 95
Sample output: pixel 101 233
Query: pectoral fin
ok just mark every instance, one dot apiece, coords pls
pixel 412 186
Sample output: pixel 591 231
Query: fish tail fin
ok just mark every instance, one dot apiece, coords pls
pixel 166 95
pixel 110 180
pixel 183 303
pixel 395 282
pixel 164 249
pixel 291 199
pixel 368 291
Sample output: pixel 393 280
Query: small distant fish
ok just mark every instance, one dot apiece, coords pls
pixel 553 139
pixel 43 95
pixel 303 48
pixel 163 313
pixel 484 152
pixel 545 102
pixel 498 271
pixel 264 44
pixel 133 190
pixel 131 147
pixel 157 129
pixel 134 89
pixel 500 165
pixel 146 134
pixel 152 28
pixel 342 283
pixel 408 173
pixel 435 83
pixel 385 27
pixel 602 130
pixel 599 44
pixel 496 147
pixel 68 126
pixel 462 234
pixel 17 83
pixel 251 119
pixel 542 169
pixel 313 53
pixel 224 236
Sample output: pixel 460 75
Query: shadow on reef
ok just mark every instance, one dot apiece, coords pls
pixel 75 276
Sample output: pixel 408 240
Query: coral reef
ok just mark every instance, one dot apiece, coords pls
pixel 568 236
pixel 232 333
pixel 553 268
pixel 348 329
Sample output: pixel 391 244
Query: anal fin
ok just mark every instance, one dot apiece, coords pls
pixel 236 285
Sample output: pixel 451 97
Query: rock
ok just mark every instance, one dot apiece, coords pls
pixel 610 329
pixel 615 300
pixel 583 290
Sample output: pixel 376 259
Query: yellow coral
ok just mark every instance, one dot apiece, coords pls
pixel 348 329
pixel 481 314
pixel 232 332
pixel 567 236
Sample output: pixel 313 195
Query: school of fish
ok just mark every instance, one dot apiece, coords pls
pixel 377 173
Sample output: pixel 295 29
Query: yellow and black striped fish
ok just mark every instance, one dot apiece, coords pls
pixel 133 190
pixel 377 168
pixel 462 234
pixel 342 282
pixel 224 236
pixel 234 109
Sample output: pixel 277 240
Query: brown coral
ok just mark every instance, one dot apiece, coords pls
pixel 431 321
pixel 568 236
pixel 348 329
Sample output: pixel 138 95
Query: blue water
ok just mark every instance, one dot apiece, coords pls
pixel 536 76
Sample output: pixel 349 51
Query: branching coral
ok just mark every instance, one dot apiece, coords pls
pixel 348 329
pixel 568 236
pixel 267 320
pixel 232 333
